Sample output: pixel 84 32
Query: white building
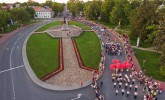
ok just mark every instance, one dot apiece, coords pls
pixel 43 12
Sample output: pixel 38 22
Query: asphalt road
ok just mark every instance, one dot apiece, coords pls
pixel 15 84
pixel 108 89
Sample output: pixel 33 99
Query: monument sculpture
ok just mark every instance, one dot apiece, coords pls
pixel 65 24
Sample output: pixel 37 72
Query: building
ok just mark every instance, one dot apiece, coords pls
pixel 42 12
pixel 8 6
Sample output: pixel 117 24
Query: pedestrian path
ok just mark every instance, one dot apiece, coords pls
pixel 72 75
pixel 147 49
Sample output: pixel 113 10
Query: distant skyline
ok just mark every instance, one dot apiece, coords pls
pixel 40 1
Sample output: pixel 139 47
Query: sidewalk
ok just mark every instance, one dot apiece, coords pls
pixel 147 49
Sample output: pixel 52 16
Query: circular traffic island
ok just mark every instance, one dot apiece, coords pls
pixel 63 59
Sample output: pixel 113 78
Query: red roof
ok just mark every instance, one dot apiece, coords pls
pixel 41 9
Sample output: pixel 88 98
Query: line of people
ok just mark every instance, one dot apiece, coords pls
pixel 151 89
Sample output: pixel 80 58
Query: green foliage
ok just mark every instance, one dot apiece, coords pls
pixel 162 59
pixel 152 64
pixel 31 11
pixel 106 7
pixel 50 25
pixel 75 6
pixel 120 12
pixel 57 7
pixel 162 71
pixel 33 3
pixel 141 18
pixel 20 15
pixel 92 9
pixel 4 18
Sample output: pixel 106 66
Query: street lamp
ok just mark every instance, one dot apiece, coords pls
pixel 144 61
pixel 119 23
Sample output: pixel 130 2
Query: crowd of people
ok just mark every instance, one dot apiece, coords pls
pixel 111 45
pixel 151 89
pixel 95 76
pixel 127 81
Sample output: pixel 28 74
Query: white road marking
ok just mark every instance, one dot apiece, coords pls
pixel 78 96
pixel 12 80
pixel 11 69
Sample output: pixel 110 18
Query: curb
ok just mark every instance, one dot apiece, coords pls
pixel 37 81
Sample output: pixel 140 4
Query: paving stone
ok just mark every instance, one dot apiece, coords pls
pixel 72 74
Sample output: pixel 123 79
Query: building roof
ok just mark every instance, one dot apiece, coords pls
pixel 41 9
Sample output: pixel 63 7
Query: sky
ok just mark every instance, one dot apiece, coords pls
pixel 40 1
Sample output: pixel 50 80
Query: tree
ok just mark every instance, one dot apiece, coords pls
pixel 4 18
pixel 20 15
pixel 33 4
pixel 141 18
pixel 31 11
pixel 120 13
pixel 75 6
pixel 92 9
pixel 106 8
pixel 25 4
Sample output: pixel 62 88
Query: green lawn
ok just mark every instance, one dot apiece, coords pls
pixel 47 26
pixel 143 45
pixel 83 26
pixel 106 24
pixel 151 65
pixel 89 46
pixel 42 53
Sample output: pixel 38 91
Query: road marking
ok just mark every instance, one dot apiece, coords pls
pixel 12 80
pixel 12 83
pixel 78 96
pixel 11 69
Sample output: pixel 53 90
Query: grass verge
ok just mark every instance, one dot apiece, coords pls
pixel 152 64
pixel 89 47
pixel 42 53
pixel 47 26
pixel 83 26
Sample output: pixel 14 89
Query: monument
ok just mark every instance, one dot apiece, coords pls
pixel 65 24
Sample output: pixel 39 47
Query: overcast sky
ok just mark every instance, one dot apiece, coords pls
pixel 41 1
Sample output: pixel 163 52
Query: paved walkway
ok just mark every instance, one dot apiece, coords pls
pixel 147 49
pixel 72 75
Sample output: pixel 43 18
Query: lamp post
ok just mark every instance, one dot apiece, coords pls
pixel 144 61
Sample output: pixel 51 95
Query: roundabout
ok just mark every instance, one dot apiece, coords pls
pixel 71 73
pixel 24 87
